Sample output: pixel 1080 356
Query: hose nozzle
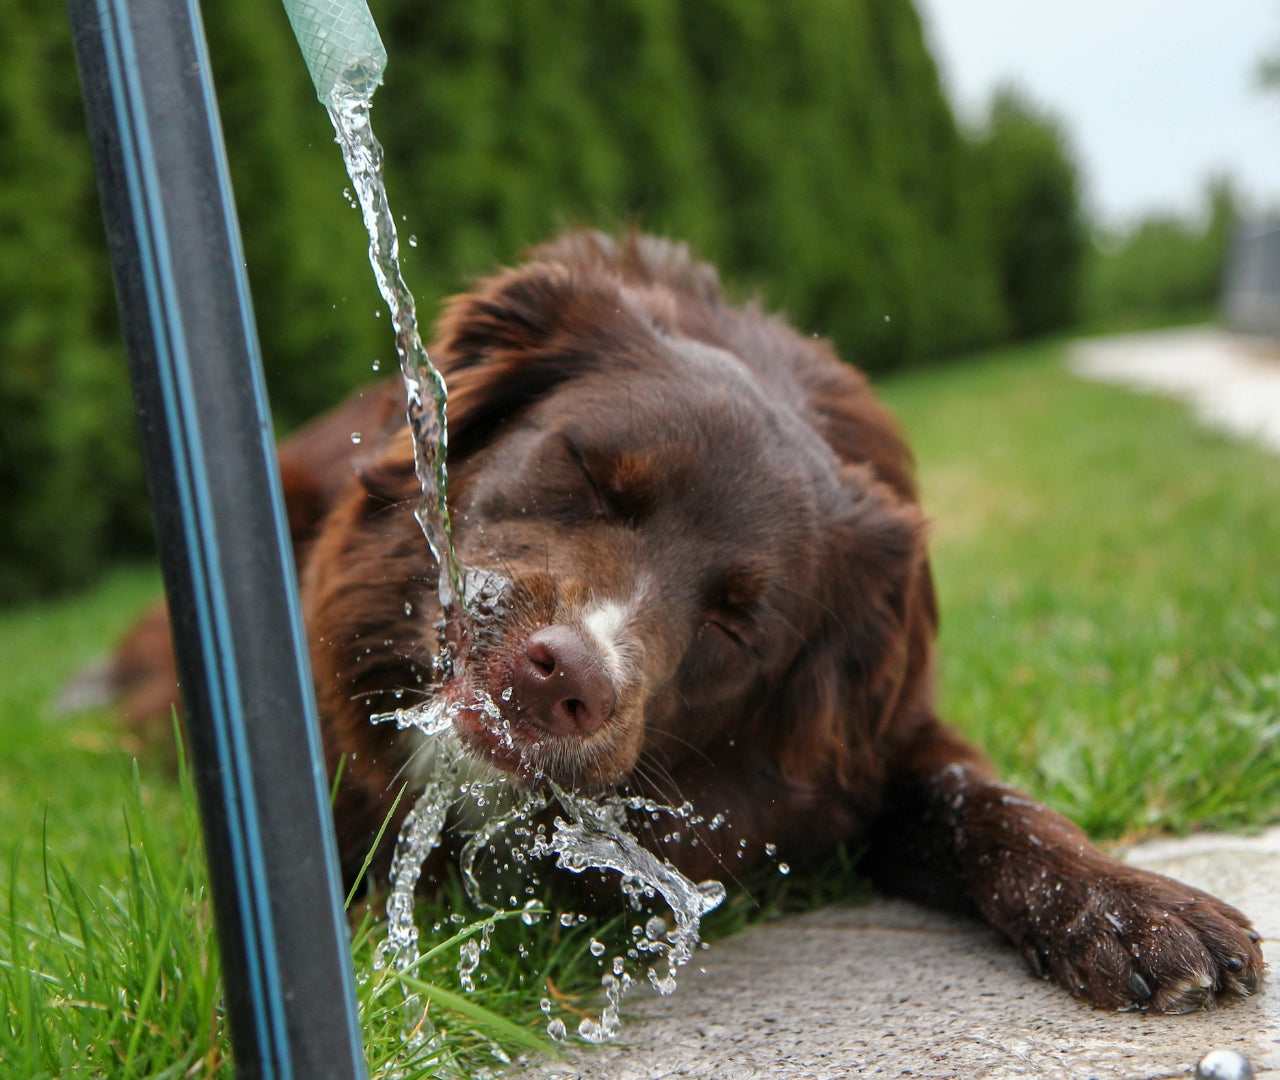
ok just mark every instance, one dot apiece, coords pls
pixel 341 46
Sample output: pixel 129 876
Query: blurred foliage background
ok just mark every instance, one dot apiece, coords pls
pixel 807 149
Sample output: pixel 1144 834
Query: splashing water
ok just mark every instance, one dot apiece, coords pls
pixel 419 834
pixel 598 838
pixel 596 834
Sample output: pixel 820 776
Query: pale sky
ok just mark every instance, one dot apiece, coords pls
pixel 1156 95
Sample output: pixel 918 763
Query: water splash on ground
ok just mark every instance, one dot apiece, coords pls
pixel 588 834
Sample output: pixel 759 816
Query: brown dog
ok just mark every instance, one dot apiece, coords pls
pixel 712 585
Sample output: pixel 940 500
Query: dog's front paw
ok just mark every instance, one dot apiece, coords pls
pixel 1130 939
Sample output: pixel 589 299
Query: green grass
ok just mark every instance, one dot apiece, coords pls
pixel 1107 574
pixel 1110 591
pixel 107 961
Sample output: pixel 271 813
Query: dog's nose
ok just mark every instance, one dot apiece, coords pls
pixel 560 684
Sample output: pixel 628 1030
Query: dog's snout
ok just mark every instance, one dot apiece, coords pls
pixel 560 684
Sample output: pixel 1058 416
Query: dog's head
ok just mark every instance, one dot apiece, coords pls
pixel 679 554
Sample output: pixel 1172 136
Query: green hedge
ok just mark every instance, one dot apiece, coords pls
pixel 1162 268
pixel 804 147
pixel 1032 200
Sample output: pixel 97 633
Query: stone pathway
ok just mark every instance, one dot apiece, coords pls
pixel 892 990
pixel 1231 381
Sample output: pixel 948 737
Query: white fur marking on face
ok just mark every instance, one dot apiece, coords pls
pixel 605 624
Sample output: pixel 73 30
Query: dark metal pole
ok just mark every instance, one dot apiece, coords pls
pixel 225 553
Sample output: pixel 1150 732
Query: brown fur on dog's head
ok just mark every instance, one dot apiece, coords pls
pixel 682 525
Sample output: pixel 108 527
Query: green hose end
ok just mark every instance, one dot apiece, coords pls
pixel 341 46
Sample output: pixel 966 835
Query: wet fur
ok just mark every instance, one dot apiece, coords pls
pixel 734 510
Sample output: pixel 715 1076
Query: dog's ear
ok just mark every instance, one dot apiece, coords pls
pixel 514 313
pixel 389 478
pixel 520 334
pixel 876 544
pixel 884 595
pixel 873 652
pixel 304 501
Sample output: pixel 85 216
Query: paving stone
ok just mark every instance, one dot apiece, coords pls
pixel 889 989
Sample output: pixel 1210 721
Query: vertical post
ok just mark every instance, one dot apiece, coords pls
pixel 225 552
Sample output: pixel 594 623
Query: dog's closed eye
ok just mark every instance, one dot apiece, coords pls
pixel 626 484
pixel 722 627
pixel 603 508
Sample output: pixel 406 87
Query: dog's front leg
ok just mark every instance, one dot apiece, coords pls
pixel 1116 936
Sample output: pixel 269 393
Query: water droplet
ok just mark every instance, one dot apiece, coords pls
pixel 597 947
pixel 356 437
pixel 655 928
pixel 408 608
pixel 711 893
pixel 376 365
pixel 771 849
pixel 556 1030
pixel 1224 1065
pixel 566 919
pixel 413 241
pixel 783 868
pixel 664 984
pixel 592 1032
pixel 468 959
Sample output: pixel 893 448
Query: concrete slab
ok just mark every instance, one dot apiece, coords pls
pixel 892 990
pixel 1231 380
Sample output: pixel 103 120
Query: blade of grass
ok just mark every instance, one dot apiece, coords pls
pixel 373 848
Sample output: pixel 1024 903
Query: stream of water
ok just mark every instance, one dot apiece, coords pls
pixel 589 833
pixel 425 394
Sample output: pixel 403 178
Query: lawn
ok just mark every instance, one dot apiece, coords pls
pixel 1108 580
pixel 1110 592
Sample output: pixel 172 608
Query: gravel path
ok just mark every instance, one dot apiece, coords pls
pixel 1232 381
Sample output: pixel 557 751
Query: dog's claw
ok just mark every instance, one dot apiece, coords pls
pixel 1138 987
pixel 1038 963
